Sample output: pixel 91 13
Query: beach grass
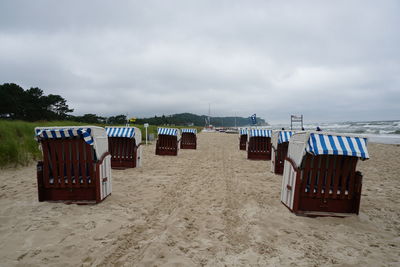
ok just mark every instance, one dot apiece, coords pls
pixel 18 146
pixel 17 143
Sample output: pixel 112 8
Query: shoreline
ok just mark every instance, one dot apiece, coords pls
pixel 384 139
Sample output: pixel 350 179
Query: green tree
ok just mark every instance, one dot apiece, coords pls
pixel 119 119
pixel 89 118
pixel 32 104
pixel 12 101
pixel 57 105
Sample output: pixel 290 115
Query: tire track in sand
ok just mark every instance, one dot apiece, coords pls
pixel 136 238
pixel 207 189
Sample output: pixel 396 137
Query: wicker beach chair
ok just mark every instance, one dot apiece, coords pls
pixel 320 176
pixel 124 144
pixel 167 141
pixel 189 139
pixel 279 146
pixel 76 164
pixel 242 138
pixel 259 144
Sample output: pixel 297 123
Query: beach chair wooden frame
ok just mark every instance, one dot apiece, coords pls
pixel 124 152
pixel 167 145
pixel 259 148
pixel 124 145
pixel 188 141
pixel 323 185
pixel 69 172
pixel 326 184
pixel 242 142
pixel 168 141
pixel 278 156
pixel 279 148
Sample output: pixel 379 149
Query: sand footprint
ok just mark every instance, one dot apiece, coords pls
pixel 20 257
pixel 90 225
pixel 87 261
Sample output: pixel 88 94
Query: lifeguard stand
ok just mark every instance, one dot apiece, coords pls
pixel 296 119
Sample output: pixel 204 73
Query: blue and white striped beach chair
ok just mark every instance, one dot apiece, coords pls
pixel 189 138
pixel 320 174
pixel 279 147
pixel 243 138
pixel 168 141
pixel 76 165
pixel 259 144
pixel 124 145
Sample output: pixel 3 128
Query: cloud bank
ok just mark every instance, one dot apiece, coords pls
pixel 331 61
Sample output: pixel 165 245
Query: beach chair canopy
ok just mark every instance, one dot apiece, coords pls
pixel 169 131
pixel 280 136
pixel 92 135
pixel 189 130
pixel 127 132
pixel 284 136
pixel 243 131
pixel 319 143
pixel 259 133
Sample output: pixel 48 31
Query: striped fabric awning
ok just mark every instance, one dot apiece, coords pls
pixel 243 131
pixel 65 133
pixel 190 130
pixel 325 144
pixel 128 132
pixel 284 136
pixel 260 132
pixel 167 131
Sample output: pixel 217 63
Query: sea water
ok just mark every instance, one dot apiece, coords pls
pixel 386 132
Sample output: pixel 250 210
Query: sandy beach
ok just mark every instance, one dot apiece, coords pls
pixel 205 207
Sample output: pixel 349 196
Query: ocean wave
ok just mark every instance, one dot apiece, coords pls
pixel 365 127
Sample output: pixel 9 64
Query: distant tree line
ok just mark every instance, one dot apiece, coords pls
pixel 190 119
pixel 33 105
pixel 93 118
pixel 183 119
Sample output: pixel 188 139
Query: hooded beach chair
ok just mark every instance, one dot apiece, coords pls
pixel 320 176
pixel 124 146
pixel 76 164
pixel 259 144
pixel 279 146
pixel 242 138
pixel 168 141
pixel 189 139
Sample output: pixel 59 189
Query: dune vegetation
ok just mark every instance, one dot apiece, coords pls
pixel 19 147
pixel 17 143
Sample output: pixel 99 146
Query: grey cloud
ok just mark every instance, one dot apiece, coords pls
pixel 335 60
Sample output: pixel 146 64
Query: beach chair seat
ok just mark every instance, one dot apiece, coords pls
pixel 167 141
pixel 125 147
pixel 259 144
pixel 189 139
pixel 320 176
pixel 76 165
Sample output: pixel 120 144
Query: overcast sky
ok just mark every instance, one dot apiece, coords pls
pixel 328 60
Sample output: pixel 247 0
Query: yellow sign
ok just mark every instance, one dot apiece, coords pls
pixel 133 119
